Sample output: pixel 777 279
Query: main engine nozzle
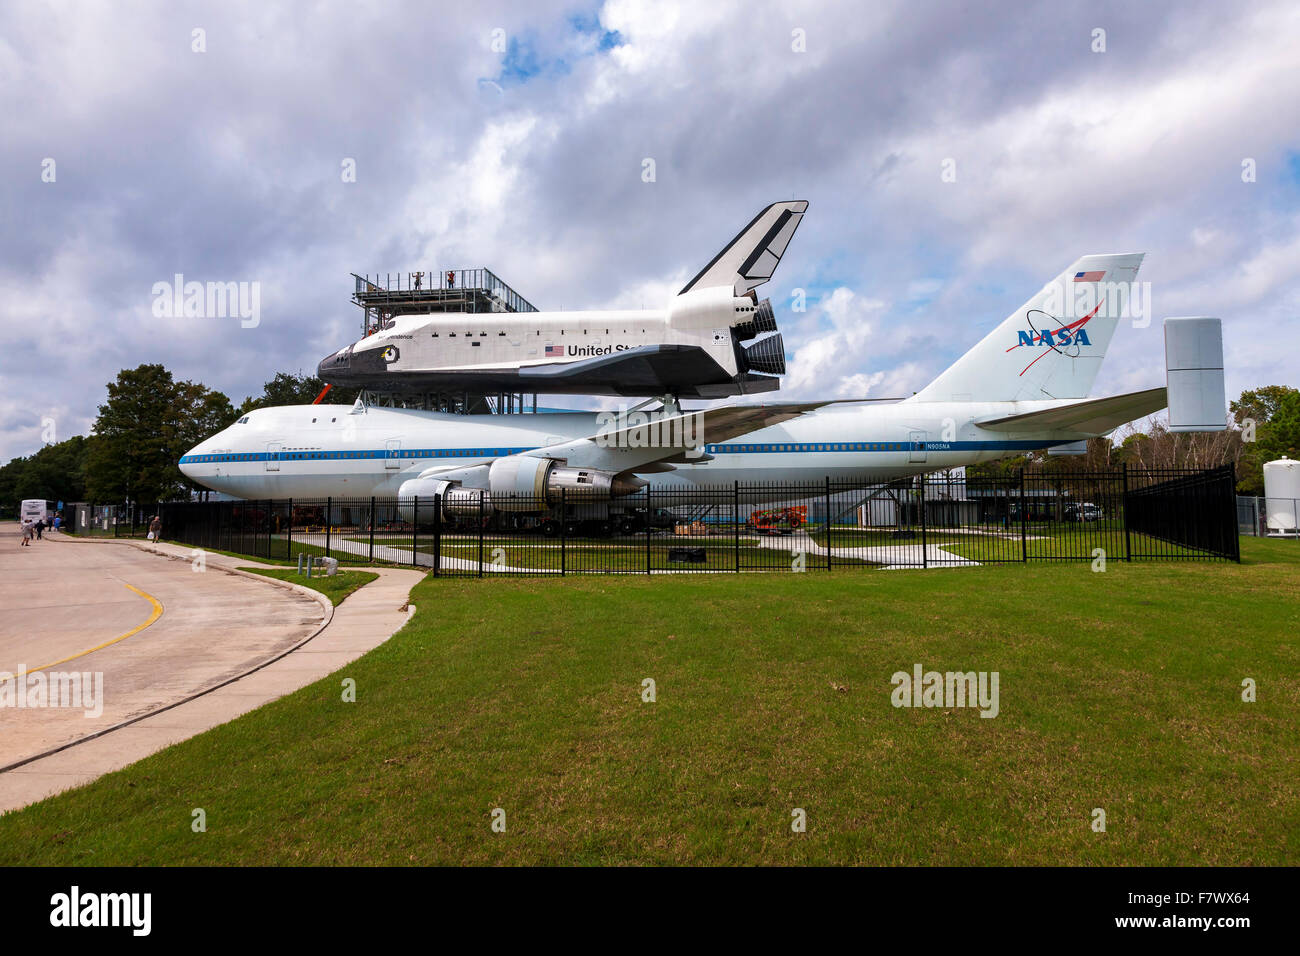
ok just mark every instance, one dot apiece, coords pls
pixel 767 355
pixel 763 321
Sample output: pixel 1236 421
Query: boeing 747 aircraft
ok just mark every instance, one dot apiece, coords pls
pixel 1023 387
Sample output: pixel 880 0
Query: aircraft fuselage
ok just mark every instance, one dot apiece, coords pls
pixel 334 450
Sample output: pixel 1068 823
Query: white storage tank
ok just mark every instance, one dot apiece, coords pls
pixel 1282 496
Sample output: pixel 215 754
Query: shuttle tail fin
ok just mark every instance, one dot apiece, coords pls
pixel 1053 345
pixel 750 259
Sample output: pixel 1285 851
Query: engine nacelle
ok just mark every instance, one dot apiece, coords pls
pixel 524 483
pixel 517 483
pixel 456 499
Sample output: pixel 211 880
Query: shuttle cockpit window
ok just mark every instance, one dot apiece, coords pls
pixel 242 421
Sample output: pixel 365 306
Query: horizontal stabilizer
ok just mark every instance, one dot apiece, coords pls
pixel 1091 417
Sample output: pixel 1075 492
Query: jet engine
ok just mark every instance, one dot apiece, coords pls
pixel 518 483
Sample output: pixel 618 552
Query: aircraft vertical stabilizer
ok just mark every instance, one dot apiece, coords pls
pixel 750 259
pixel 1050 347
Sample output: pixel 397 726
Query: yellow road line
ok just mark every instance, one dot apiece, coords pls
pixel 157 613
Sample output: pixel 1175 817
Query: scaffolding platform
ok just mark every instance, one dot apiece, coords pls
pixel 384 296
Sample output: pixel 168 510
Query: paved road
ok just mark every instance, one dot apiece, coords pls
pixel 155 630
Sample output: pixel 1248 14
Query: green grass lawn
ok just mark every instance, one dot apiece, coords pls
pixel 336 588
pixel 1119 690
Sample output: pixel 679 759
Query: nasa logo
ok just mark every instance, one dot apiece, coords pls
pixel 1059 337
pixel 1072 336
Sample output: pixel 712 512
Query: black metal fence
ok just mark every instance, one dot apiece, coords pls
pixel 924 521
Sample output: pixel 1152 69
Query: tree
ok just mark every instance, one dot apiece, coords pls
pixel 1259 404
pixel 1275 437
pixel 202 413
pixel 56 472
pixel 148 422
pixel 300 389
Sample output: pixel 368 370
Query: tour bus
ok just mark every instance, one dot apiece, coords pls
pixel 34 509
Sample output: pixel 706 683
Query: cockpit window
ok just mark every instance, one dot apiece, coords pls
pixel 242 421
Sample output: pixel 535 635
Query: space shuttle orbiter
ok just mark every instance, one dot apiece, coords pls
pixel 711 340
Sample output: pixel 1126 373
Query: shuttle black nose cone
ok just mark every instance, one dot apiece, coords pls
pixel 334 369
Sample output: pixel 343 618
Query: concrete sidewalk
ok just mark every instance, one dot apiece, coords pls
pixel 891 557
pixel 365 620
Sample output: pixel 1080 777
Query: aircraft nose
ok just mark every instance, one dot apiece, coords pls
pixel 334 368
pixel 187 464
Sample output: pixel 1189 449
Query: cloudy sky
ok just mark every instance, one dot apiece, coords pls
pixel 148 139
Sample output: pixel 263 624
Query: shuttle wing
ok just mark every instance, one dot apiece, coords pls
pixel 686 370
pixel 750 259
pixel 1094 416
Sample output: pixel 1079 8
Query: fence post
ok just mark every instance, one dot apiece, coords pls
pixel 372 529
pixel 735 520
pixel 925 557
pixel 564 534
pixel 270 505
pixel 329 520
pixel 827 503
pixel 1024 548
pixel 647 529
pixel 415 531
pixel 288 545
pixel 437 536
pixel 480 532
pixel 1128 547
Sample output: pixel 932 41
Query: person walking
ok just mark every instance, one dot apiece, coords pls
pixel 27 534
pixel 155 529
pixel 40 528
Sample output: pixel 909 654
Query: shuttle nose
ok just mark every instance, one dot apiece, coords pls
pixel 335 368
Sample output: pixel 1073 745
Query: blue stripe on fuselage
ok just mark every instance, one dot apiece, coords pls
pixel 726 448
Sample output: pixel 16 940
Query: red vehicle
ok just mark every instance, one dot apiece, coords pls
pixel 778 520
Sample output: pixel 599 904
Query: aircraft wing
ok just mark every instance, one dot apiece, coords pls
pixel 1091 417
pixel 624 444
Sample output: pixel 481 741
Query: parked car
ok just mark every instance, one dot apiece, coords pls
pixel 1082 511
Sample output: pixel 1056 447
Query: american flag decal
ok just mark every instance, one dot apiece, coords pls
pixel 1088 276
pixel 555 351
